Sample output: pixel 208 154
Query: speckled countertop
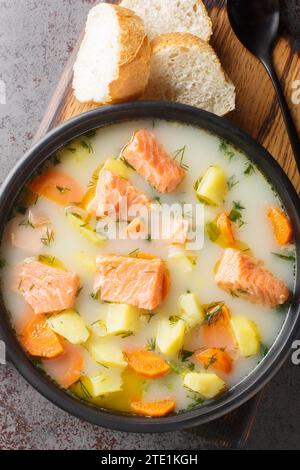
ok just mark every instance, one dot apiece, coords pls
pixel 36 37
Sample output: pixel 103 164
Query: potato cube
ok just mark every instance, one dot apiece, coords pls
pixel 86 262
pixel 122 318
pixel 107 352
pixel 117 167
pixel 70 325
pixel 192 312
pixel 208 385
pixel 247 335
pixel 86 229
pixel 170 336
pixel 102 384
pixel 185 262
pixel 212 188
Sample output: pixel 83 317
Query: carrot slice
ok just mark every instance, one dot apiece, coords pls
pixel 153 408
pixel 67 368
pixel 147 364
pixel 217 332
pixel 225 227
pixel 215 358
pixel 282 226
pixel 39 340
pixel 58 187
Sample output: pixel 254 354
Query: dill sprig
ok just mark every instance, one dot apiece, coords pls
pixel 179 155
pixel 232 182
pixel 151 344
pixel 48 238
pixel 62 189
pixel 236 213
pixel 87 146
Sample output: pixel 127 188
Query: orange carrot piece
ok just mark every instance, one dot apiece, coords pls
pixel 225 226
pixel 67 368
pixel 153 408
pixel 215 358
pixel 39 340
pixel 217 333
pixel 282 226
pixel 58 187
pixel 147 364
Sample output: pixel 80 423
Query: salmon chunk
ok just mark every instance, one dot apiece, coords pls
pixel 45 288
pixel 111 192
pixel 133 281
pixel 246 277
pixel 150 159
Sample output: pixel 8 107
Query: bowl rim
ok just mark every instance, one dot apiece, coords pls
pixel 250 385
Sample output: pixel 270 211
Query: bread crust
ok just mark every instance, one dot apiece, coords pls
pixel 133 68
pixel 185 41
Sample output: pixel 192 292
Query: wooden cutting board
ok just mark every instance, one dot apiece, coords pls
pixel 257 112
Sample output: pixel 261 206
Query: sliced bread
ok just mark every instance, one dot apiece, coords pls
pixel 186 69
pixel 167 16
pixel 113 61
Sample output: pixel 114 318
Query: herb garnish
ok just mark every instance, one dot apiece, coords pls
pixel 184 355
pixel 27 222
pixel 71 149
pixel 48 237
pixel 236 213
pixel 78 291
pixel 213 312
pixel 123 160
pixel 94 295
pixel 226 149
pixel 150 315
pixel 179 154
pixel 125 334
pixel 232 182
pixel 250 169
pixel 197 401
pixel 174 319
pixel 134 252
pixel 151 344
pixel 62 189
pixel 85 393
pixel 286 256
pixel 87 146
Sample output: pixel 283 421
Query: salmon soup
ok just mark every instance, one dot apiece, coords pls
pixel 139 320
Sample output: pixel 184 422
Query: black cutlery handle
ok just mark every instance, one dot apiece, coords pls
pixel 287 116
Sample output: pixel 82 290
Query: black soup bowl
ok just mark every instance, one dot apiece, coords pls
pixel 280 350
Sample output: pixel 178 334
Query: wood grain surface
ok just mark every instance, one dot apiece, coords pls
pixel 257 112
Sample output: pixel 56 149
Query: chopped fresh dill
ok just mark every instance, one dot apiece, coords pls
pixel 48 238
pixel 236 213
pixel 71 149
pixel 226 149
pixel 151 344
pixel 94 295
pixel 249 170
pixel 125 334
pixel 179 155
pixel 123 160
pixel 134 252
pixel 174 319
pixel 232 182
pixel 157 199
pixel 87 146
pixel 184 355
pixel 28 221
pixel 213 358
pixel 197 401
pixel 149 238
pixel 149 316
pixel 46 259
pixel 78 291
pixel 213 312
pixel 85 393
pixel 62 189
pixel 286 256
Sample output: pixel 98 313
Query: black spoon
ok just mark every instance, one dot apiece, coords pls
pixel 256 24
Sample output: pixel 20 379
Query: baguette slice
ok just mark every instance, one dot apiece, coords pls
pixel 113 62
pixel 167 16
pixel 186 69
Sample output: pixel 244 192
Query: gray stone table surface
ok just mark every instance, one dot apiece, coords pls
pixel 36 38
